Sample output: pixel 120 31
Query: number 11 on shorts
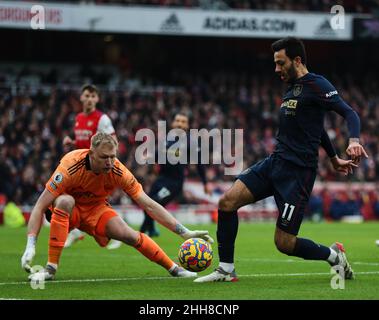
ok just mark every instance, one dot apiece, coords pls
pixel 292 207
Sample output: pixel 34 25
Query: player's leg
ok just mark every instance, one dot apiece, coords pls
pixel 163 192
pixel 292 245
pixel 113 243
pixel 227 223
pixel 251 185
pixel 116 228
pixel 227 227
pixel 170 190
pixel 73 236
pixel 309 250
pixel 293 187
pixel 59 226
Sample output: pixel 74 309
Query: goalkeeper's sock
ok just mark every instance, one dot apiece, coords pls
pixel 309 250
pixel 59 225
pixel 151 250
pixel 227 228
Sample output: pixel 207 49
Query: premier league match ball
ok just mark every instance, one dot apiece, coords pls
pixel 195 254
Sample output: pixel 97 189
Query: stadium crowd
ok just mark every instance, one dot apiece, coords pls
pixel 37 111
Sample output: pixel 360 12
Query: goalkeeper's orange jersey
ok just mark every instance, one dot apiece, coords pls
pixel 74 176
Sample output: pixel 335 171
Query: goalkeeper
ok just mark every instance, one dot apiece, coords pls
pixel 75 197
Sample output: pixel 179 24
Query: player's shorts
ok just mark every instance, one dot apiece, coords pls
pixel 290 184
pixel 164 190
pixel 91 219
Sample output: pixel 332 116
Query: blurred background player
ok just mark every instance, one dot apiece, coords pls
pixel 290 172
pixel 169 183
pixel 77 195
pixel 87 123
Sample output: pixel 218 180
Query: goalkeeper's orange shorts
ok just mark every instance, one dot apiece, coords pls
pixel 92 219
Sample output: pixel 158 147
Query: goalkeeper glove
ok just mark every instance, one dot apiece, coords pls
pixel 29 253
pixel 187 234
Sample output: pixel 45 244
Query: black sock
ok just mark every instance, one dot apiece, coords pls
pixel 309 250
pixel 227 227
pixel 148 223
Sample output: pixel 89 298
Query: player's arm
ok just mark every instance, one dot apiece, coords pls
pixel 34 227
pixel 36 218
pixel 55 186
pixel 329 98
pixel 340 165
pixel 105 125
pixel 355 150
pixel 160 214
pixel 68 141
pixel 127 181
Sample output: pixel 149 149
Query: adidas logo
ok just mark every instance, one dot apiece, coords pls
pixel 172 24
pixel 325 29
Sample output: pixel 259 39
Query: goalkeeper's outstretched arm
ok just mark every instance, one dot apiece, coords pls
pixel 37 215
pixel 160 214
pixel 34 227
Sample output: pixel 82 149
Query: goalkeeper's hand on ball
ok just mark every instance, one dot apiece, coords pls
pixel 187 234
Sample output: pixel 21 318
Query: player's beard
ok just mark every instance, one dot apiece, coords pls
pixel 291 73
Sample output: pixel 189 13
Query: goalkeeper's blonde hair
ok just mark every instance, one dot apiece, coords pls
pixel 100 138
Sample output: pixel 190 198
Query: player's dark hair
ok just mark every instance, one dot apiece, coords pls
pixel 182 113
pixel 294 48
pixel 91 88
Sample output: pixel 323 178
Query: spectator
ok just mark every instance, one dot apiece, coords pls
pixel 344 204
pixel 315 206
pixel 33 122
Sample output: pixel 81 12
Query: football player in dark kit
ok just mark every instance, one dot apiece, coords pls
pixel 289 173
pixel 169 183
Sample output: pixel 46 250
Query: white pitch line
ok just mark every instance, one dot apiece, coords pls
pixel 301 261
pixel 366 263
pixel 90 280
pixel 300 274
pixel 256 275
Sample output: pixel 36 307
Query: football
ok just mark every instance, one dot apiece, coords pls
pixel 195 254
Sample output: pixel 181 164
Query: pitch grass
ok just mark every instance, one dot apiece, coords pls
pixel 90 272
